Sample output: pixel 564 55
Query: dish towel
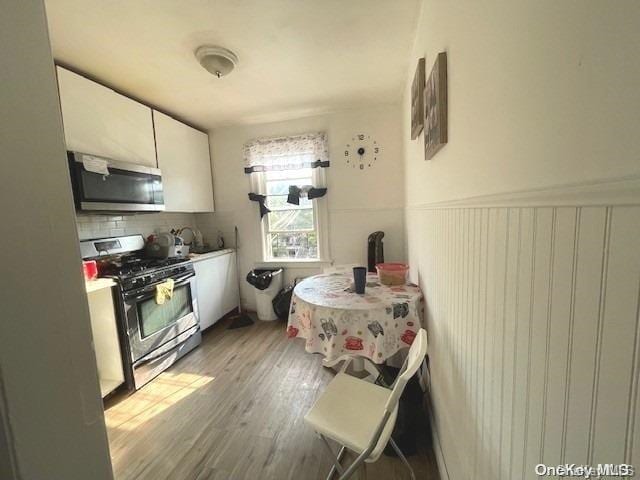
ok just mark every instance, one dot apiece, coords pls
pixel 308 191
pixel 164 291
pixel 254 197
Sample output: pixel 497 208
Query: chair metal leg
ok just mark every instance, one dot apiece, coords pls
pixel 333 470
pixel 402 457
pixel 344 474
pixel 333 467
pixel 351 469
pixel 336 460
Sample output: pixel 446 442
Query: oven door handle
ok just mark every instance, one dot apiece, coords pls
pixel 164 351
pixel 150 359
pixel 178 282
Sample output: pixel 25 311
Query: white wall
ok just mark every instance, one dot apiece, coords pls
pixel 533 296
pixel 51 400
pixel 540 93
pixel 359 202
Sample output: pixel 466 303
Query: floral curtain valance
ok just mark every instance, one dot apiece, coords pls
pixel 286 153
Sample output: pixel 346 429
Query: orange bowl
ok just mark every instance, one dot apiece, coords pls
pixel 392 273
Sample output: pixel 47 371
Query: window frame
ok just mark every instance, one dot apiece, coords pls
pixel 318 175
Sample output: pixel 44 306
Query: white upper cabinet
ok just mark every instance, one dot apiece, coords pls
pixel 101 122
pixel 183 158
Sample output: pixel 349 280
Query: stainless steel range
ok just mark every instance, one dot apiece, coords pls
pixel 153 335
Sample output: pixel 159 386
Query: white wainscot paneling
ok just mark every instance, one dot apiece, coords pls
pixel 532 316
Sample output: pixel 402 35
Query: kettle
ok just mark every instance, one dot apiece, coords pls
pixel 160 245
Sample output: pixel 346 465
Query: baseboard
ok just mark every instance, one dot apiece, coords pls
pixel 437 449
pixel 435 440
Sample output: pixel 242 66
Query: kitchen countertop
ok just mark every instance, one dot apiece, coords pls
pixel 99 284
pixel 198 257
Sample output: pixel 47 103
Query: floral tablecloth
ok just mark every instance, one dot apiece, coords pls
pixel 335 321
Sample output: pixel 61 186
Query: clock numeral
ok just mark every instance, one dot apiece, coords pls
pixel 362 166
pixel 361 137
pixel 346 153
pixel 376 150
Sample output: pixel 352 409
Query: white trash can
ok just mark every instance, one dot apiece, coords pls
pixel 264 298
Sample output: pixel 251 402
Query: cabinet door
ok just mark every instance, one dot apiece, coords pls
pixel 217 287
pixel 105 340
pixel 209 290
pixel 101 122
pixel 183 157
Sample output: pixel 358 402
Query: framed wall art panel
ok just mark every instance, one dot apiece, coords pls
pixel 417 100
pixel 435 98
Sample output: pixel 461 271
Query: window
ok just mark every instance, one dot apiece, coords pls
pixel 290 232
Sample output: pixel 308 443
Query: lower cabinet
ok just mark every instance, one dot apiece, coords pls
pixel 105 339
pixel 217 286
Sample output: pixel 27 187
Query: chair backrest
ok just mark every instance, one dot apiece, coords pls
pixel 416 354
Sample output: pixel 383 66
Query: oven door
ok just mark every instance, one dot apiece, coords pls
pixel 151 325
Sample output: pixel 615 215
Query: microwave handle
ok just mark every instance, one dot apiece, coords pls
pixel 180 281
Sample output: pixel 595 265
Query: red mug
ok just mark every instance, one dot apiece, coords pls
pixel 90 269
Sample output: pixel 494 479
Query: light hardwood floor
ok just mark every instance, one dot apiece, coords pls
pixel 233 409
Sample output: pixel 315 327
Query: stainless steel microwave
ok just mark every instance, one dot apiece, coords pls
pixel 104 185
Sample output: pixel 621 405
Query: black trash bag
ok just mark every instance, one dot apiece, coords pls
pixel 261 277
pixel 282 301
pixel 411 420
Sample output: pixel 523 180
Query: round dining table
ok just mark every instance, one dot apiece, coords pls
pixel 339 323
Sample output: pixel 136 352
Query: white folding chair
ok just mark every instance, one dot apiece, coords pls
pixel 360 416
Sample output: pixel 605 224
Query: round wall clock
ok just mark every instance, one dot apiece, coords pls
pixel 362 151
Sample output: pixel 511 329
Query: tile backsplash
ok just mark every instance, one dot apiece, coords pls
pixel 99 226
pixel 209 224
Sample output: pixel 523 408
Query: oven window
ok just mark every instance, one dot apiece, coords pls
pixel 154 317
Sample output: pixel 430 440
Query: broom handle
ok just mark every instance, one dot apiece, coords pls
pixel 238 272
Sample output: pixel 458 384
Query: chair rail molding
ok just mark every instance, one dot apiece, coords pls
pixel 620 191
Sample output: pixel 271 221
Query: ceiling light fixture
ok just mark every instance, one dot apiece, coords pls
pixel 216 60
